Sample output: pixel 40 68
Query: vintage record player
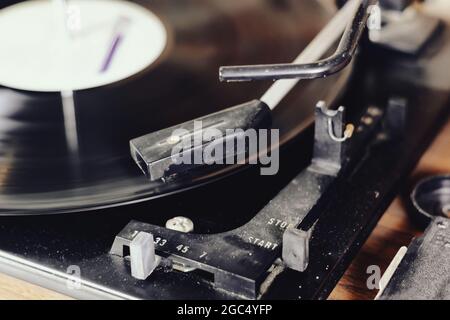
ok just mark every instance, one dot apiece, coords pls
pixel 92 202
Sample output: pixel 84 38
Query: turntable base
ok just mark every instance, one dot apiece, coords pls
pixel 393 231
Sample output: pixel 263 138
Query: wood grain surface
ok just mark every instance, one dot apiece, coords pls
pixel 14 289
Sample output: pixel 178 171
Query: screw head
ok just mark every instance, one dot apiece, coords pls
pixel 173 139
pixel 181 224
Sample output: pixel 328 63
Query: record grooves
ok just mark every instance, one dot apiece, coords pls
pixel 38 172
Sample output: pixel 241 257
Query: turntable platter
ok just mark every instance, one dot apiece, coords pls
pixel 174 81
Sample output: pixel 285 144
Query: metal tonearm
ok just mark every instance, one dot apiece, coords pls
pixel 318 69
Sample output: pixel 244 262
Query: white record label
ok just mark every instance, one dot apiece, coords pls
pixel 57 45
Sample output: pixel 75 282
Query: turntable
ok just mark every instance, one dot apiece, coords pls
pixel 96 95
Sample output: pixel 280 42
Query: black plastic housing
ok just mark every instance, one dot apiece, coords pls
pixel 154 152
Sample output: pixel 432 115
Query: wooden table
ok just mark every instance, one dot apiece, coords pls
pixel 14 289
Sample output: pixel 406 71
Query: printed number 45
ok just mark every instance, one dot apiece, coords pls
pixel 182 248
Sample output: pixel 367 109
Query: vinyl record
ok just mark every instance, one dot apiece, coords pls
pixel 71 100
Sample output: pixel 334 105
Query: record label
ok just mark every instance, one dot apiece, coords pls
pixel 57 45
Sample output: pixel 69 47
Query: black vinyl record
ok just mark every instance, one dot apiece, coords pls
pixel 40 174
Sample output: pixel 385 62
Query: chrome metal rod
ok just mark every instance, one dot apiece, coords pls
pixel 316 49
pixel 322 68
